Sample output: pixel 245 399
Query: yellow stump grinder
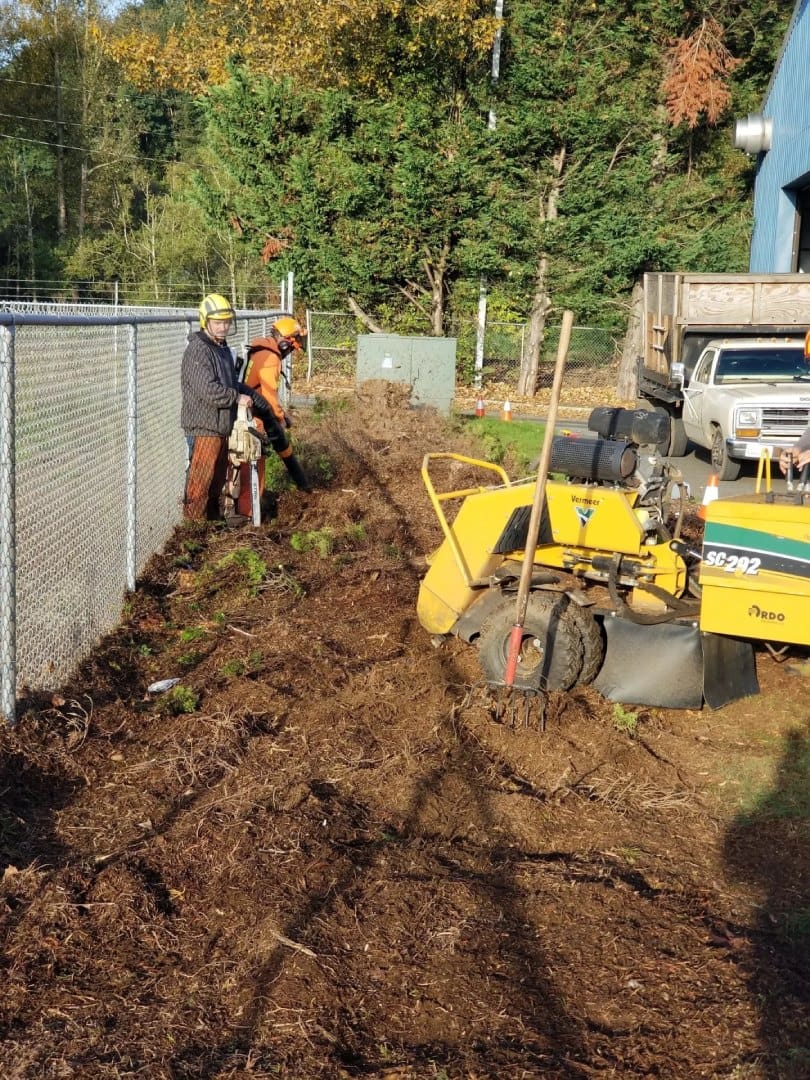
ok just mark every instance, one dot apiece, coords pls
pixel 617 597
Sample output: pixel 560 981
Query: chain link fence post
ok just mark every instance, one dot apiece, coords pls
pixel 132 457
pixel 8 585
pixel 309 345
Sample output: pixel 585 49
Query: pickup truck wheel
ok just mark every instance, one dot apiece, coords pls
pixel 725 467
pixel 675 445
pixel 551 648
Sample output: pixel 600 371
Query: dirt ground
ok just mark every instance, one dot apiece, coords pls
pixel 338 863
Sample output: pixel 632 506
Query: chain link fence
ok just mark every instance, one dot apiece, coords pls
pixel 592 356
pixel 92 458
pixel 92 470
pixel 332 345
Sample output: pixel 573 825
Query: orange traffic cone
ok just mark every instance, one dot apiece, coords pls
pixel 506 412
pixel 711 493
pixel 480 410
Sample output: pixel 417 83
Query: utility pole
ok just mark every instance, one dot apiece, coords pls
pixel 481 329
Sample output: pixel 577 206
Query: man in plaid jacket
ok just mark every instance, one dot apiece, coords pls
pixel 211 395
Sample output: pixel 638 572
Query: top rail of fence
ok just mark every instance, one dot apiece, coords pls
pixel 124 317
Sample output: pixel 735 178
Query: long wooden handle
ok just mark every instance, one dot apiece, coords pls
pixel 516 636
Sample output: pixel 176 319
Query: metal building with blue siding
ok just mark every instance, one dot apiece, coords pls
pixel 780 137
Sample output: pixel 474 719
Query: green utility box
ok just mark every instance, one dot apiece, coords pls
pixel 426 364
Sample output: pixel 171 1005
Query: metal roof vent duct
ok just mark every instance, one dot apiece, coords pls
pixel 753 134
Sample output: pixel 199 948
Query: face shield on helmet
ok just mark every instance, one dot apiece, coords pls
pixel 217 316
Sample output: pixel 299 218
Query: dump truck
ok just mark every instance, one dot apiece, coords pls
pixel 619 597
pixel 724 358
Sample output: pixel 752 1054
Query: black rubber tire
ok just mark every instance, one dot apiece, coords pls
pixel 725 467
pixel 551 651
pixel 593 643
pixel 677 443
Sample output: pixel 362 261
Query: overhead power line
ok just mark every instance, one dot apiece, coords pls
pixel 44 85
pixel 109 161
pixel 42 120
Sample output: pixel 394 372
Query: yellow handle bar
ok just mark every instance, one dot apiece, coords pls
pixel 764 469
pixel 437 499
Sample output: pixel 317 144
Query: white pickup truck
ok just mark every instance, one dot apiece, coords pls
pixel 723 356
pixel 744 394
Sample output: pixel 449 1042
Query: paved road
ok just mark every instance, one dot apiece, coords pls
pixel 696 468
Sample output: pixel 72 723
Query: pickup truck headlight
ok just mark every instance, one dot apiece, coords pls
pixel 748 423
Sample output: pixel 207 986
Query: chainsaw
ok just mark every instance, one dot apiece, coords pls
pixel 245 448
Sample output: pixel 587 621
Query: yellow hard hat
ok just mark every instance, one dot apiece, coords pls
pixel 287 326
pixel 215 306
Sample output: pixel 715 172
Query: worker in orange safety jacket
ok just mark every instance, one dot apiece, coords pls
pixel 265 357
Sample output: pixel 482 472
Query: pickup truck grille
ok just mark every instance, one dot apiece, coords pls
pixel 785 423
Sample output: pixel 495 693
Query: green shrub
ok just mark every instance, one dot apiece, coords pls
pixel 625 720
pixel 180 699
pixel 231 668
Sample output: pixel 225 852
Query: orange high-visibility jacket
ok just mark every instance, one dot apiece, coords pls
pixel 264 372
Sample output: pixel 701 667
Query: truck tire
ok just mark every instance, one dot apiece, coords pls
pixel 676 444
pixel 725 467
pixel 551 649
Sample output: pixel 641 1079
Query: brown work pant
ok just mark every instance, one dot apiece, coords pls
pixel 205 478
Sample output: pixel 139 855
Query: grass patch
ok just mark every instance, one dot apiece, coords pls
pixel 251 564
pixel 771 788
pixel 316 464
pixel 324 407
pixel 625 720
pixel 355 533
pixel 519 440
pixel 233 668
pixel 320 540
pixel 327 541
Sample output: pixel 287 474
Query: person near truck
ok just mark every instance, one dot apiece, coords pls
pixel 264 374
pixel 211 394
pixel 799 453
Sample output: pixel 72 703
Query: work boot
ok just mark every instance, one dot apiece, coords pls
pixel 297 474
pixel 269 505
